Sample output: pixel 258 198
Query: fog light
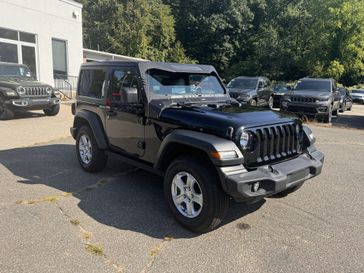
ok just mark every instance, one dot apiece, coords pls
pixel 255 187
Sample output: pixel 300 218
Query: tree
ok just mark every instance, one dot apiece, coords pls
pixel 140 28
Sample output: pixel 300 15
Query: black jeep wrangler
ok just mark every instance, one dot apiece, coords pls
pixel 19 91
pixel 178 121
pixel 313 97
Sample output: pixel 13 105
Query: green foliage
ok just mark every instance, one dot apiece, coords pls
pixel 282 39
pixel 140 28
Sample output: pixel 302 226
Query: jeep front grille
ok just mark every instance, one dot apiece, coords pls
pixel 35 91
pixel 302 99
pixel 273 143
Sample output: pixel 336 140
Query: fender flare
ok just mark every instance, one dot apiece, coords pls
pixel 95 124
pixel 206 143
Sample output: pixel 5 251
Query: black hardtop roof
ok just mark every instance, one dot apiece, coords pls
pixel 147 65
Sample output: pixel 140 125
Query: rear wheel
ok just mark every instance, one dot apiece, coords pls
pixel 52 111
pixel 90 157
pixel 194 194
pixel 5 113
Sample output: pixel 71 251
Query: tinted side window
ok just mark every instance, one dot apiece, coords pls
pixel 124 86
pixel 92 83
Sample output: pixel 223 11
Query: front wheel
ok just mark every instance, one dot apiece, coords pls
pixel 52 111
pixel 90 157
pixel 252 102
pixel 194 194
pixel 328 117
pixel 343 107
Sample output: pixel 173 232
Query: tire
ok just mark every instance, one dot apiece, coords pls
pixel 5 113
pixel 351 106
pixel 328 117
pixel 52 111
pixel 199 189
pixel 335 112
pixel 90 157
pixel 343 108
pixel 270 102
pixel 252 102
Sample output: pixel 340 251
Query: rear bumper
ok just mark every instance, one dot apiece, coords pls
pixel 32 103
pixel 238 182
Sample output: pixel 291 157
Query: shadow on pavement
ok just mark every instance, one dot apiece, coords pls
pixel 349 121
pixel 28 114
pixel 121 196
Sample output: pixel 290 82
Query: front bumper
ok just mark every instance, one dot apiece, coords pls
pixel 238 182
pixel 306 108
pixel 32 103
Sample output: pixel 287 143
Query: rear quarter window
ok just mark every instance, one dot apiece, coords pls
pixel 92 83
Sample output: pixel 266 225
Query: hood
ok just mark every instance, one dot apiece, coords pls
pixel 17 81
pixel 220 121
pixel 308 93
pixel 242 91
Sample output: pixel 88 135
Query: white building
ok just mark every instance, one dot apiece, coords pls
pixel 44 34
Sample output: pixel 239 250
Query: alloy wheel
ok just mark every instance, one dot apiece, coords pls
pixel 187 194
pixel 85 149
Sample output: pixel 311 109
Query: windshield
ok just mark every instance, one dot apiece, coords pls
pixel 322 86
pixel 243 83
pixel 167 83
pixel 280 89
pixel 15 71
pixel 358 91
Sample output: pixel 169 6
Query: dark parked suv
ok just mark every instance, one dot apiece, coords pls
pixel 178 121
pixel 313 97
pixel 19 91
pixel 254 91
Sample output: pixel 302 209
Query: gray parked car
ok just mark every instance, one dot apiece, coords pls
pixel 313 97
pixel 254 91
pixel 358 96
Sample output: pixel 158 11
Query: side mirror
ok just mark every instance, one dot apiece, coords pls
pixel 129 95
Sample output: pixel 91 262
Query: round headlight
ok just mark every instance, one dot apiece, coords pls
pixel 20 90
pixel 244 140
pixel 49 90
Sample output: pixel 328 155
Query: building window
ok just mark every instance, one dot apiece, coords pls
pixel 8 53
pixel 59 49
pixel 8 34
pixel 19 47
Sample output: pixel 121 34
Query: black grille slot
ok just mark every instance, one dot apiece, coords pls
pixel 35 91
pixel 273 143
pixel 302 99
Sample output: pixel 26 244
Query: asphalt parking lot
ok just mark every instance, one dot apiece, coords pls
pixel 56 218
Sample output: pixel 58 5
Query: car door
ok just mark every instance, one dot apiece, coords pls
pixel 125 114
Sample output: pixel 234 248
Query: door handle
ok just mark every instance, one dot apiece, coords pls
pixel 111 113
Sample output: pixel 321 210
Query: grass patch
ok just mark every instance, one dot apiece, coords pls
pixel 95 249
pixel 86 235
pixel 75 222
